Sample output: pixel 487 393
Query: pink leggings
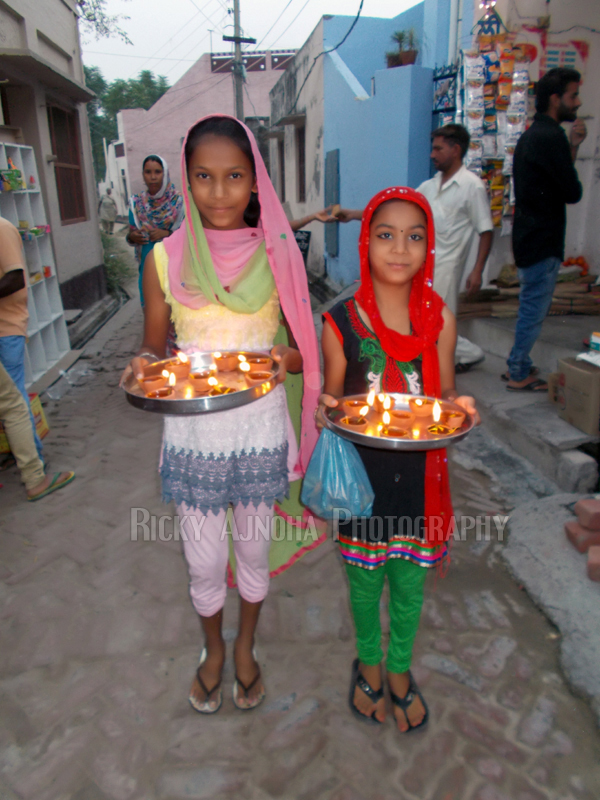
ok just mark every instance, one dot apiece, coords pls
pixel 206 547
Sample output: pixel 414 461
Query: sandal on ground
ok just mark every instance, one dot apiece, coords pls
pixel 206 707
pixel 374 695
pixel 540 385
pixel 532 372
pixel 405 702
pixel 237 684
pixel 55 484
pixel 461 368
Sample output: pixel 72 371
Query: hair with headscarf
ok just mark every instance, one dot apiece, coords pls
pixel 192 272
pixel 161 210
pixel 425 312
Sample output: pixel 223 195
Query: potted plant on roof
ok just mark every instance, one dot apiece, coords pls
pixel 408 48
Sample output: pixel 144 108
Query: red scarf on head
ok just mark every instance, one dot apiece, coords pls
pixel 425 312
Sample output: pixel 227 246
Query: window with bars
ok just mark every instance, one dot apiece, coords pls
pixel 66 146
pixel 301 162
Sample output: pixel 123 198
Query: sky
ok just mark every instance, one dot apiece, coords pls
pixel 169 35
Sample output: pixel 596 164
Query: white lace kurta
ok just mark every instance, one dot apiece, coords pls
pixel 240 455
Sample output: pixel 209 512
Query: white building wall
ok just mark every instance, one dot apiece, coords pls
pixel 309 103
pixel 48 28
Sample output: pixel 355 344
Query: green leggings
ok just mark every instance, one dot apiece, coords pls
pixel 406 581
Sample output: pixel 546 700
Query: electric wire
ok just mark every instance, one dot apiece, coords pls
pixel 196 45
pixel 270 47
pixel 325 52
pixel 288 4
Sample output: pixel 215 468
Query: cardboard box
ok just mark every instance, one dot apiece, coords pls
pixel 578 394
pixel 39 418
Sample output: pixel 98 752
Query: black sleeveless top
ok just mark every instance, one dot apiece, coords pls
pixel 397 478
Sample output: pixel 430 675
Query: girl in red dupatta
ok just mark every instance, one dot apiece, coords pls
pixel 394 335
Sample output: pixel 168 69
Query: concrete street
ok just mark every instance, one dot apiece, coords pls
pixel 100 641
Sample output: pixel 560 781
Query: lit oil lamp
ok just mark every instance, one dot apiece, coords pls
pixel 226 362
pixel 352 407
pixel 179 366
pixel 188 393
pixel 161 394
pixel 150 383
pixel 402 417
pixel 217 389
pixel 439 430
pixel 390 430
pixel 453 419
pixel 437 411
pixel 260 364
pixel 256 378
pixel 421 406
pixel 356 422
pixel 200 380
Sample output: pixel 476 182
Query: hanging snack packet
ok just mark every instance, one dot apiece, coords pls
pixel 474 121
pixel 503 98
pixel 520 78
pixel 507 66
pixel 489 146
pixel 515 126
pixel 509 154
pixel 496 217
pixel 518 101
pixel 474 94
pixel 474 67
pixel 474 157
pixel 492 67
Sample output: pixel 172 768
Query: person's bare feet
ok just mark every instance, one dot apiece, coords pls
pixel 43 485
pixel 210 672
pixel 399 683
pixel 246 670
pixel 364 704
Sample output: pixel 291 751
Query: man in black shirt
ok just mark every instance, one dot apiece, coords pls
pixel 545 180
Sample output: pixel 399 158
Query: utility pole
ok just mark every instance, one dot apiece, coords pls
pixel 238 65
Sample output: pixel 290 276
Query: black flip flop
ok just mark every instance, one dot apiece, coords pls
pixel 406 701
pixel 533 371
pixel 534 386
pixel 374 695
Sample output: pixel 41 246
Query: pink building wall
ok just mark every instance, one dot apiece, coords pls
pixel 199 92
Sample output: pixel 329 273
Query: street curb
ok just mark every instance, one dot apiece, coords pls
pixel 539 555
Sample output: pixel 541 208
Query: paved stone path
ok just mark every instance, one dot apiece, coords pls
pixel 99 643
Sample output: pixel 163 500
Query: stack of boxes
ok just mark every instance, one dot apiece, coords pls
pixel 584 534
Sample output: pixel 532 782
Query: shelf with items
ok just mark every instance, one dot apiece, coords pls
pixel 495 103
pixel 21 203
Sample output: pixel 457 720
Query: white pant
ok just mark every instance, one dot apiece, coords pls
pixel 446 283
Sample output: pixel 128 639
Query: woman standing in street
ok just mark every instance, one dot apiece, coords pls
pixel 108 212
pixel 155 213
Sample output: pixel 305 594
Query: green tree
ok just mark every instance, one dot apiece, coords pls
pixel 94 20
pixel 140 92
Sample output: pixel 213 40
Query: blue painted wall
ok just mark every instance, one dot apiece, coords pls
pixel 383 141
pixel 364 50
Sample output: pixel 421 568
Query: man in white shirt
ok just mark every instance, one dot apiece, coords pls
pixel 461 210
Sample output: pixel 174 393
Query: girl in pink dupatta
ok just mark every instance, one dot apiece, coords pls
pixel 224 278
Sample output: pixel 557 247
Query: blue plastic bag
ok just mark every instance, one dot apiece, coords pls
pixel 336 479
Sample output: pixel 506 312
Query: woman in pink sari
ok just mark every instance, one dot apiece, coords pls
pixel 225 279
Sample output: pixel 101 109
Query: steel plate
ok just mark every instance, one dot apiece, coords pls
pixel 331 419
pixel 202 403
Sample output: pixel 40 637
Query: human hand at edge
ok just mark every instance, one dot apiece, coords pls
pixel 468 403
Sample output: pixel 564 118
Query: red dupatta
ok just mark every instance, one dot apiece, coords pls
pixel 425 312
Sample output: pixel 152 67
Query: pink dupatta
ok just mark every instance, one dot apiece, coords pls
pixel 288 269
